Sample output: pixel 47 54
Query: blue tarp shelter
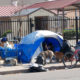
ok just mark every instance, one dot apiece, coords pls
pixel 31 45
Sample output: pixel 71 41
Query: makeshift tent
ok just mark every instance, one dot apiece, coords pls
pixel 31 44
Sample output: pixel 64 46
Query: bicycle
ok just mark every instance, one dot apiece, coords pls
pixel 71 58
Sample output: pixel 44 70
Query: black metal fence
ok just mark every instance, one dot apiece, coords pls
pixel 15 29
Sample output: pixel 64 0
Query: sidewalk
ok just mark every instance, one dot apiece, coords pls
pixel 14 69
pixel 23 68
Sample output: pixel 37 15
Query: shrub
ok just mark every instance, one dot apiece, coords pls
pixel 5 33
pixel 70 34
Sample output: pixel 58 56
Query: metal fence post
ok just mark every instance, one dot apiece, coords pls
pixel 31 25
pixel 76 22
pixel 63 27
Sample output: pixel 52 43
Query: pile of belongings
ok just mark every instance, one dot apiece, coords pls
pixel 36 68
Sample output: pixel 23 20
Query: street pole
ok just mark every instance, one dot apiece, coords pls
pixel 76 22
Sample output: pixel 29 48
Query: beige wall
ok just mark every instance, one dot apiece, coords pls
pixel 5 25
pixel 71 23
pixel 24 25
pixel 17 31
pixel 41 12
pixel 71 14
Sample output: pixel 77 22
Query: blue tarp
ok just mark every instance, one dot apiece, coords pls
pixel 31 45
pixel 8 52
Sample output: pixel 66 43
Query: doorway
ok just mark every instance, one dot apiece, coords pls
pixel 41 23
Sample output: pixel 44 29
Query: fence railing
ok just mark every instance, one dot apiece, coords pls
pixel 19 28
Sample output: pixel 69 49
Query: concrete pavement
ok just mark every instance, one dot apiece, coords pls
pixel 23 68
pixel 68 74
pixel 13 69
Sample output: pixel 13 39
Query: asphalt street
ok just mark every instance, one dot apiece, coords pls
pixel 63 74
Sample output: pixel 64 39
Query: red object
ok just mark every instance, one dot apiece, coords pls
pixel 6 11
pixel 76 51
pixel 57 4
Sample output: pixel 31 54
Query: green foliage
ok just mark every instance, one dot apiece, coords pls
pixel 70 34
pixel 5 33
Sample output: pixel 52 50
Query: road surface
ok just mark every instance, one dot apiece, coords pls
pixel 63 74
